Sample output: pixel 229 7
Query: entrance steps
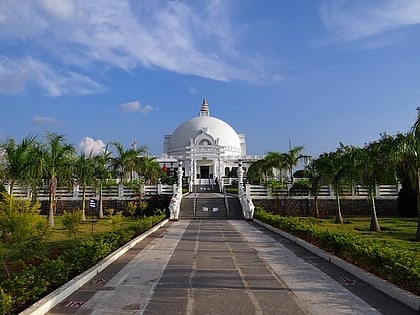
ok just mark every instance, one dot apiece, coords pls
pixel 210 206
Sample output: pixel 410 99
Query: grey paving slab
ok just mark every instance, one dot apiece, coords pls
pixel 219 267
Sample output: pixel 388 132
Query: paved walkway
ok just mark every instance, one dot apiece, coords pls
pixel 223 267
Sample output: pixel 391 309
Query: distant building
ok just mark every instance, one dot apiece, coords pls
pixel 208 147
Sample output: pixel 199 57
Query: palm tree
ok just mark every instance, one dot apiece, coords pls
pixel 149 169
pixel 56 163
pixel 314 171
pixel 274 161
pixel 334 167
pixel 126 161
pixel 291 158
pixel 413 144
pixel 18 161
pixel 407 157
pixel 373 165
pixel 258 171
pixel 101 172
pixel 83 171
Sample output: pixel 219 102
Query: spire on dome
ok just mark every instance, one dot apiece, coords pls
pixel 204 110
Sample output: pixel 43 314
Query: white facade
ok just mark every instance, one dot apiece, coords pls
pixel 208 147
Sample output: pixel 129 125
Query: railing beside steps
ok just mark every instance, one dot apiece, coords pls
pixel 108 192
pixel 347 191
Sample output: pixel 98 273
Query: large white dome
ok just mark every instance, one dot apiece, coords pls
pixel 215 127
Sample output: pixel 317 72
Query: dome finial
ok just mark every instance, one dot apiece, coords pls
pixel 204 110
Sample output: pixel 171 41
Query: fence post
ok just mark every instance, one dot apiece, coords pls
pixel 7 187
pixel 159 188
pixel 332 194
pixel 120 190
pixel 377 190
pixel 75 191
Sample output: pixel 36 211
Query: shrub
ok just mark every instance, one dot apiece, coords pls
pixel 6 302
pixel 395 265
pixel 71 223
pixel 32 282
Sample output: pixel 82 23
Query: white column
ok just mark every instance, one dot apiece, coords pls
pixel 240 174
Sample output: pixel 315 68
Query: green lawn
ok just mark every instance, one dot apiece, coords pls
pixel 398 232
pixel 59 239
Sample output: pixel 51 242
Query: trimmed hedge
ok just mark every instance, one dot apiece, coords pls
pixel 395 265
pixel 34 282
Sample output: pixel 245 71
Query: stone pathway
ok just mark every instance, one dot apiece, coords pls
pixel 213 267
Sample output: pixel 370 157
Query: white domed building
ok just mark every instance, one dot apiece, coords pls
pixel 208 147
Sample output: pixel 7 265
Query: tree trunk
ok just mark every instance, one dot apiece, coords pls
pixel 338 217
pixel 84 203
pixel 316 207
pixel 53 188
pixel 100 208
pixel 374 224
pixel 418 205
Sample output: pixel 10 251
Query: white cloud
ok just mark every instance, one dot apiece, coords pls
pixel 41 120
pixel 15 74
pixel 194 38
pixel 351 20
pixel 136 107
pixel 90 146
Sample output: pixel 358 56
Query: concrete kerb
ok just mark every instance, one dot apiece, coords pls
pixel 388 288
pixel 55 297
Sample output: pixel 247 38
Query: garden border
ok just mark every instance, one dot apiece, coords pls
pixel 48 302
pixel 408 298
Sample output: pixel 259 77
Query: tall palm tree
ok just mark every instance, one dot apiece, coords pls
pixel 413 141
pixel 257 172
pixel 291 159
pixel 101 172
pixel 18 161
pixel 314 171
pixel 148 169
pixel 334 167
pixel 57 164
pixel 407 157
pixel 125 161
pixel 83 171
pixel 274 160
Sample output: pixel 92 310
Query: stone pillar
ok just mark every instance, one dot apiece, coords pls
pixel 75 191
pixel 120 190
pixel 7 187
pixel 179 173
pixel 240 174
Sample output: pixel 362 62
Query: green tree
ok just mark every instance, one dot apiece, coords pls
pixel 22 229
pixel 148 169
pixel 56 163
pixel 315 175
pixel 291 158
pixel 101 172
pixel 334 167
pixel 372 166
pixel 413 152
pixel 257 172
pixel 407 157
pixel 274 161
pixel 125 162
pixel 83 171
pixel 18 161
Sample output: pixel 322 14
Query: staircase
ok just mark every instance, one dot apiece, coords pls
pixel 235 208
pixel 210 206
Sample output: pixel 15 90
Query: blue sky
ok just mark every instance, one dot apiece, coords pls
pixel 315 72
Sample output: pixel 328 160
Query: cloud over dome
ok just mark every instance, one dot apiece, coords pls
pixel 90 146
